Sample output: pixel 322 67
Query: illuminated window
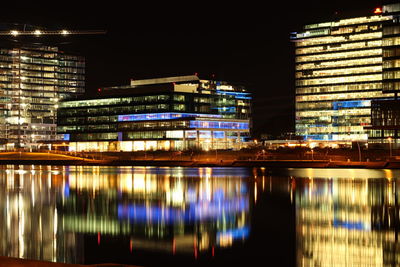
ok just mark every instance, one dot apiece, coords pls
pixel 191 134
pixel 162 116
pixel 219 134
pixel 204 134
pixel 138 145
pixel 174 134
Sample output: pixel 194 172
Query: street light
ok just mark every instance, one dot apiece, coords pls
pixel 311 145
pixel 390 146
pixel 358 146
pixel 359 150
pixel 37 32
pixel 14 33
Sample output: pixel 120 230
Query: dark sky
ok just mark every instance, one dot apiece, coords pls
pixel 241 41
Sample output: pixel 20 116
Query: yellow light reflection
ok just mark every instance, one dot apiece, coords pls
pixel 347 221
pixel 47 209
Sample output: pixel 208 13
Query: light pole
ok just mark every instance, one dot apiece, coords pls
pixel 390 146
pixel 358 146
pixel 359 151
pixel 311 146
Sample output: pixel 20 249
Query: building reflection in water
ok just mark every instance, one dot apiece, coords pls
pixel 347 221
pixel 47 211
pixel 30 221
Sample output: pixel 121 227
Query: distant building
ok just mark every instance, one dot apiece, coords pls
pixel 33 79
pixel 174 113
pixel 341 67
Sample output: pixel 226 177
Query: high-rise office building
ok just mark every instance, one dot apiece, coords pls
pixel 341 66
pixel 32 81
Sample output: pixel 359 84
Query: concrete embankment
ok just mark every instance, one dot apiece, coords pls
pixel 43 162
pixel 255 163
pixel 220 163
pixel 16 158
pixel 37 158
pixel 315 164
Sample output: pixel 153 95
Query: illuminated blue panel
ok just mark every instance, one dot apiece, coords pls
pixel 238 95
pixel 219 134
pixel 351 104
pixel 66 137
pixel 226 109
pixel 319 137
pixel 232 93
pixel 219 125
pixel 162 116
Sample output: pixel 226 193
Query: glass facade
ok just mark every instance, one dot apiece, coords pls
pixel 219 124
pixel 32 81
pixel 162 116
pixel 341 67
pixel 215 115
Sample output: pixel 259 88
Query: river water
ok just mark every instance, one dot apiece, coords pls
pixel 152 216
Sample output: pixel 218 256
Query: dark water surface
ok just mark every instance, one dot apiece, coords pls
pixel 200 216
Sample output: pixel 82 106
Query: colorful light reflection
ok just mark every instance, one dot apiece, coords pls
pixel 195 212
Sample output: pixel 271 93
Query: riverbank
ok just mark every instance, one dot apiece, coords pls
pixel 40 158
pixel 256 163
pixel 26 158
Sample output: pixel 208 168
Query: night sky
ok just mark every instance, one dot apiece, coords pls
pixel 240 41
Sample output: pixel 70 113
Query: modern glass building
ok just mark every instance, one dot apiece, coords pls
pixel 174 113
pixel 341 66
pixel 32 81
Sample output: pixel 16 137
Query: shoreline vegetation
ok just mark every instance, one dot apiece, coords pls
pixel 285 158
